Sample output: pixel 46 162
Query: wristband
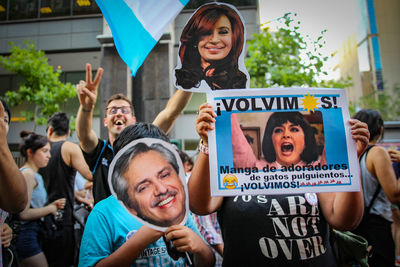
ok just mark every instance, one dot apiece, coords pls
pixel 203 148
pixel 86 110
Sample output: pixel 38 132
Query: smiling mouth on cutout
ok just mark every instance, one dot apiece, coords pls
pixel 214 49
pixel 164 203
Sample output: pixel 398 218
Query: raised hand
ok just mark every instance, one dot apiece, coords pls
pixel 394 154
pixel 360 133
pixel 204 121
pixel 87 90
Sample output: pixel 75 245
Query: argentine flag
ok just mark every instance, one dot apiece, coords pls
pixel 137 25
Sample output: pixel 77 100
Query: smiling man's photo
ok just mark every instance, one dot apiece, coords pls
pixel 146 179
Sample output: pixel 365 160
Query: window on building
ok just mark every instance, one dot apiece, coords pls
pixel 23 9
pixel 3 10
pixel 51 8
pixel 85 7
pixel 37 9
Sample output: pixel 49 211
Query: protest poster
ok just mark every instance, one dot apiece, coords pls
pixel 140 169
pixel 212 50
pixel 281 141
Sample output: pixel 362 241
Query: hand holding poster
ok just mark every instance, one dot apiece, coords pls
pixel 281 141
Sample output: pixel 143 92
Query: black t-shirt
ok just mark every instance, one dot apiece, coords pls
pixel 276 230
pixel 99 161
pixel 59 180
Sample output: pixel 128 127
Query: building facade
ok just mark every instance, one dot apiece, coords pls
pixel 371 55
pixel 73 32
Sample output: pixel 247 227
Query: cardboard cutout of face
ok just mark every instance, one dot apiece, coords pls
pixel 211 50
pixel 147 177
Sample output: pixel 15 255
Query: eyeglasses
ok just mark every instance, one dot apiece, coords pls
pixel 114 110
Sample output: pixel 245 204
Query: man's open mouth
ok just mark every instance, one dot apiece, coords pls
pixel 118 122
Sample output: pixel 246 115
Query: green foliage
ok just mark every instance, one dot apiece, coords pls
pixel 386 103
pixel 41 85
pixel 284 58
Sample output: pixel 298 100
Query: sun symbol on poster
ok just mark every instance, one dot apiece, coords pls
pixel 310 102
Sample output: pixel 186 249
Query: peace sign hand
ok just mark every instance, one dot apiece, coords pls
pixel 87 90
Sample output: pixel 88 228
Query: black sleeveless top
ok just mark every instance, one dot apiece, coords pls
pixel 99 161
pixel 59 181
pixel 276 230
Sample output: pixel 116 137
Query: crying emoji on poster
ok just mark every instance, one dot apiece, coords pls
pixel 230 181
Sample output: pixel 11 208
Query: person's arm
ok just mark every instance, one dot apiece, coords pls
pixel 87 95
pixel 380 165
pixel 13 190
pixel 200 199
pixel 126 254
pixel 185 240
pixel 167 117
pixel 74 154
pixel 29 214
pixel 344 210
pixel 243 155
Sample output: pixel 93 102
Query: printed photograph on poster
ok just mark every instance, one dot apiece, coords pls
pixel 281 141
pixel 134 175
pixel 211 50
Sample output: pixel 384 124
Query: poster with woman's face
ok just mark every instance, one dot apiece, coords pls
pixel 211 50
pixel 148 179
pixel 281 141
pixel 281 138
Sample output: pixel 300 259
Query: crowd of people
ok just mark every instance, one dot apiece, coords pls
pixel 143 203
pixel 145 178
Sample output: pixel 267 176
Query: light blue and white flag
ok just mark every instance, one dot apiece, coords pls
pixel 137 25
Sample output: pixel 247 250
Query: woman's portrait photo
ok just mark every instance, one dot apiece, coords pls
pixel 286 138
pixel 211 50
pixel 147 178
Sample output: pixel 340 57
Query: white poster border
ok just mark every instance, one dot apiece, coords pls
pixel 341 139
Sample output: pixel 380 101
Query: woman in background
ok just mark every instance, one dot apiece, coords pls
pixel 381 188
pixel 210 46
pixel 36 150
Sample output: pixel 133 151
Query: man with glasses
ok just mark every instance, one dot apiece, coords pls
pixel 119 114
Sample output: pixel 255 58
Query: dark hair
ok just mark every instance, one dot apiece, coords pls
pixel 310 152
pixel 185 157
pixel 137 131
pixel 32 141
pixel 373 119
pixel 226 71
pixel 7 109
pixel 59 121
pixel 120 97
